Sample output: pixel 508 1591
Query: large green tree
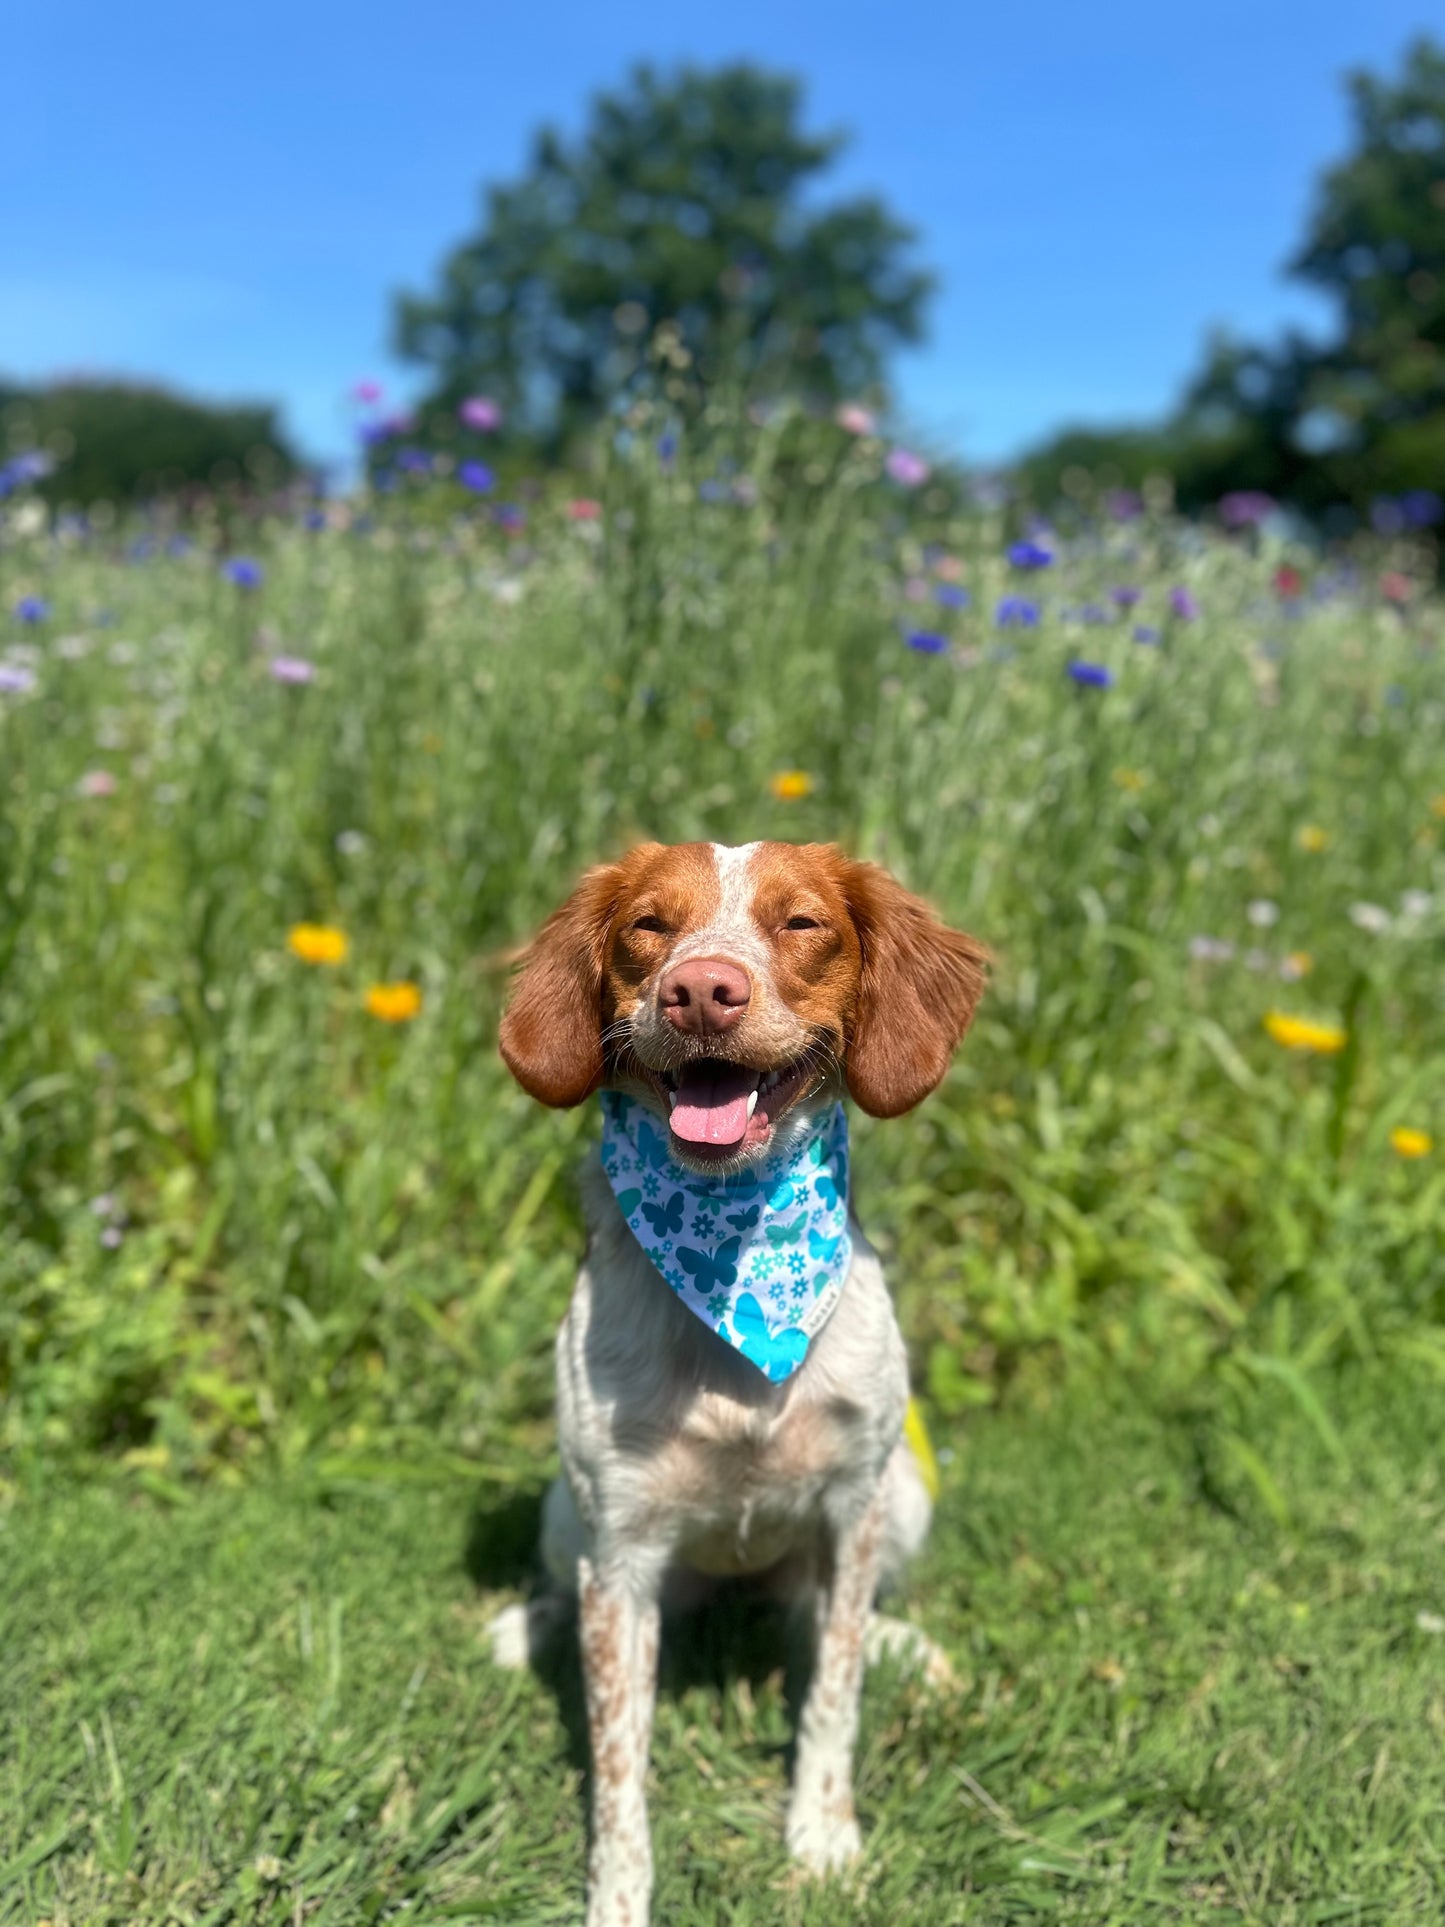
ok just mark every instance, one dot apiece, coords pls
pixel 687 201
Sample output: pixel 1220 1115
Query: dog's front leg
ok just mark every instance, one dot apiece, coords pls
pixel 619 1614
pixel 822 1825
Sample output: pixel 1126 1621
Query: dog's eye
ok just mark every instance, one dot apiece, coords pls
pixel 654 924
pixel 802 923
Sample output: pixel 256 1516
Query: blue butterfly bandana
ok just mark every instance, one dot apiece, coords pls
pixel 760 1258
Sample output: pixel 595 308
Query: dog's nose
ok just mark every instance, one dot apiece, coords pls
pixel 704 995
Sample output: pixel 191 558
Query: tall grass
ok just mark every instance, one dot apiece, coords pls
pixel 245 1219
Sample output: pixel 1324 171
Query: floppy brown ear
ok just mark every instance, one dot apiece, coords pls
pixel 920 985
pixel 551 1034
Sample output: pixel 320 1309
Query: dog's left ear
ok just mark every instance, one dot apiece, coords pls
pixel 920 985
pixel 551 1034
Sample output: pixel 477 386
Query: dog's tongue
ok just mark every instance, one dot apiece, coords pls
pixel 712 1102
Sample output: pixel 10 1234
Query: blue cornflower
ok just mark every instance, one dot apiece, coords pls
pixel 1092 613
pixel 510 517
pixel 1182 602
pixel 32 608
pixel 1422 508
pixel 1017 612
pixel 413 461
pixel 950 596
pixel 1093 675
pixel 928 644
pixel 1143 632
pixel 314 520
pixel 1030 555
pixel 15 679
pixel 245 573
pixel 667 448
pixel 1125 596
pixel 477 477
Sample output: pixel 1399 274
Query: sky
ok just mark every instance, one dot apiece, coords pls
pixel 226 198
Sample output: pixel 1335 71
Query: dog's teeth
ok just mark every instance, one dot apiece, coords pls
pixel 752 1102
pixel 672 1097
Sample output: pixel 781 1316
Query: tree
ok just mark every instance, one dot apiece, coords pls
pixel 124 441
pixel 680 209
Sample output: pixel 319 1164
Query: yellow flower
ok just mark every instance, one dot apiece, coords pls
pixel 1410 1143
pixel 921 1446
pixel 393 1003
pixel 1298 1033
pixel 1130 779
pixel 1437 804
pixel 791 785
pixel 317 943
pixel 1299 963
pixel 1312 838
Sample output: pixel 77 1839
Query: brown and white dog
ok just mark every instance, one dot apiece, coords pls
pixel 737 992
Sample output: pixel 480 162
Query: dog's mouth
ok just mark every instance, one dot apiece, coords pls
pixel 720 1109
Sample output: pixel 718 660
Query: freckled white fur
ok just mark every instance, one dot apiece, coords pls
pixel 680 1458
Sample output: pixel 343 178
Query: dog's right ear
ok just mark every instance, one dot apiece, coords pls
pixel 551 1035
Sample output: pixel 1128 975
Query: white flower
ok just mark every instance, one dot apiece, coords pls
pixel 1371 917
pixel 1416 905
pixel 1262 913
pixel 1210 950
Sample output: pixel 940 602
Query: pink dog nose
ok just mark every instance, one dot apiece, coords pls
pixel 705 994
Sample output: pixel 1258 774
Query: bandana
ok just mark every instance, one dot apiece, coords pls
pixel 761 1257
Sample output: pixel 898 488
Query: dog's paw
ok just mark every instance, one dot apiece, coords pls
pixel 823 1836
pixel 510 1638
pixel 888 1638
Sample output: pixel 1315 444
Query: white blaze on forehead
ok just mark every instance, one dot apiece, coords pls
pixel 730 931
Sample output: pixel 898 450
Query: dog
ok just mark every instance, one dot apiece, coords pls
pixel 731 1381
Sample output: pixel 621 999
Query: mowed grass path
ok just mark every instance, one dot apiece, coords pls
pixel 276 1705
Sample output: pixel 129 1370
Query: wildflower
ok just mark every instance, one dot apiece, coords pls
pixel 1092 675
pixel 1017 612
pixel 351 843
pixel 292 669
pixel 1298 1033
pixel 1312 838
pixel 667 448
pixel 1288 582
pixel 1407 1142
pixel 368 393
pixel 480 412
pixel 413 461
pixel 314 521
pixel 1262 913
pixel 96 783
pixel 1210 949
pixel 245 573
pixel 509 517
pixel 317 943
pixel 948 595
pixel 854 419
pixel 1245 508
pixel 1421 508
pixel 112 1237
pixel 1093 614
pixel 907 468
pixel 1395 587
pixel 928 644
pixel 1145 634
pixel 1371 917
pixel 1299 963
pixel 393 1003
pixel 476 476
pixel 1030 555
pixel 791 785
pixel 1416 905
pixel 584 509
pixel 1125 595
pixel 15 680
pixel 1124 504
pixel 1182 602
pixel 32 609
pixel 1437 804
pixel 1130 779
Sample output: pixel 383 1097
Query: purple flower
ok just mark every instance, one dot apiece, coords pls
pixel 1124 504
pixel 1145 634
pixel 667 448
pixel 927 644
pixel 32 608
pixel 293 669
pixel 33 466
pixel 15 681
pixel 1422 508
pixel 1245 508
pixel 510 517
pixel 480 412
pixel 1030 555
pixel 476 476
pixel 1182 602
pixel 245 573
pixel 1125 596
pixel 949 596
pixel 905 467
pixel 413 461
pixel 1017 612
pixel 1093 675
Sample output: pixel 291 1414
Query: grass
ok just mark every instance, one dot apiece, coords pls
pixel 274 1705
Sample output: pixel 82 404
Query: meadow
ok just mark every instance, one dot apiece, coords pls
pixel 279 792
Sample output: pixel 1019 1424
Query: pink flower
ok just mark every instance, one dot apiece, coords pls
pixel 367 392
pixel 96 782
pixel 854 418
pixel 481 412
pixel 905 467
pixel 292 669
pixel 584 510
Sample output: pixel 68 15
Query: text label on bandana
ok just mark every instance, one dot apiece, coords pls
pixel 761 1257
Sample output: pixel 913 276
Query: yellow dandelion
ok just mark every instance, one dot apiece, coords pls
pixel 317 943
pixel 1312 838
pixel 1410 1143
pixel 1130 779
pixel 1298 1033
pixel 393 1003
pixel 791 785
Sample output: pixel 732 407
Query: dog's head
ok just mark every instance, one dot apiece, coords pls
pixel 735 990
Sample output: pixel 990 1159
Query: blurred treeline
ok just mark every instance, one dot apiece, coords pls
pixel 679 243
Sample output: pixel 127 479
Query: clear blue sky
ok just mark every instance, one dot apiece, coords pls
pixel 225 196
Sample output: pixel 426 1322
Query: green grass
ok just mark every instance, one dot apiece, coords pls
pixel 275 1705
